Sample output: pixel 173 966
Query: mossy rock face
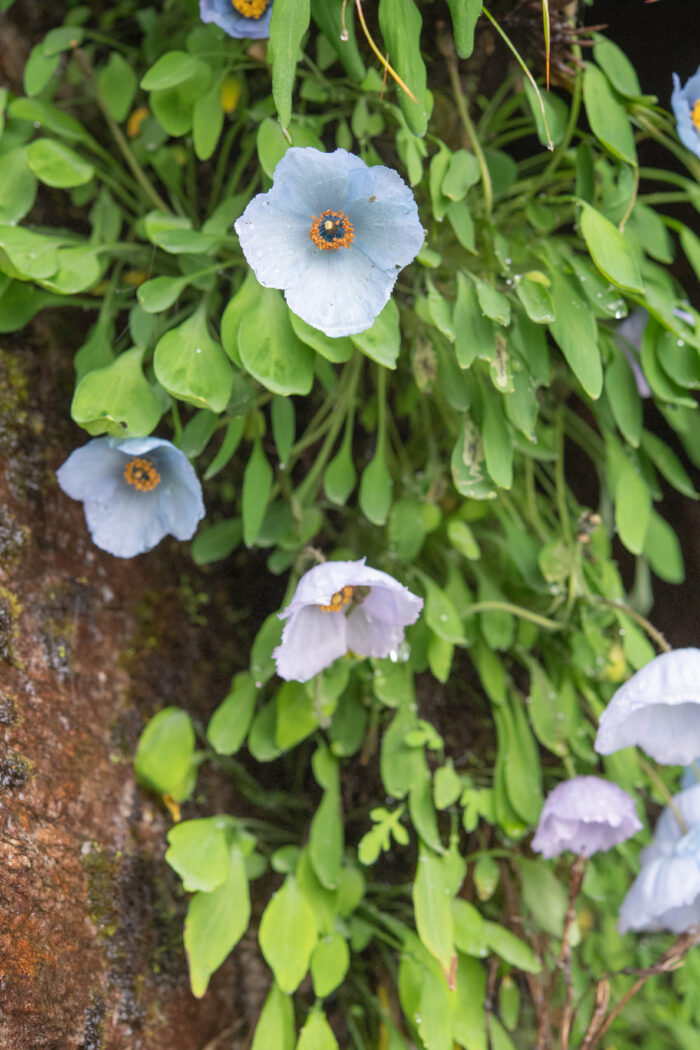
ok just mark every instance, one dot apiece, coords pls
pixel 91 924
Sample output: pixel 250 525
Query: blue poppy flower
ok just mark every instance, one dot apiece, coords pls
pixel 666 893
pixel 135 492
pixel 241 18
pixel 585 815
pixel 685 102
pixel 333 233
pixel 658 710
pixel 342 606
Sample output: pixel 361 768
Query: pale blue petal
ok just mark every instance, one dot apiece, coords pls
pixel 392 603
pixel 682 101
pixel 667 832
pixel 665 895
pixel 319 584
pixel 139 446
pixel 126 525
pixel 385 217
pixel 585 815
pixel 369 637
pixel 180 504
pixel 311 640
pixel 275 242
pixel 691 88
pixel 307 181
pixel 223 14
pixel 93 471
pixel 341 295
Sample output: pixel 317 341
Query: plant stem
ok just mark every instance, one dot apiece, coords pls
pixel 653 775
pixel 463 111
pixel 615 603
pixel 515 610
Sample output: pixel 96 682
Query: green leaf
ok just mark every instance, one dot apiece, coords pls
pixel 382 341
pixel 215 923
pixel 283 426
pixel 192 366
pixel 375 488
pixel 214 542
pixel 63 38
pixel 463 173
pixel 468 925
pixel 469 1023
pixel 328 19
pixel 56 165
pixel 272 143
pixel 270 350
pixel 668 463
pixel 257 484
pixel 207 121
pixel 617 67
pixel 632 507
pixel 610 250
pixel 465 14
pixel 498 444
pixel 340 476
pixel 117 82
pixel 275 1027
pixel 289 22
pixel 447 786
pixel 165 751
pixel 232 438
pixel 317 1034
pixel 330 962
pixel 546 898
pixel 199 852
pixel 288 935
pixel 431 902
pixel 623 397
pixel 336 350
pixel 511 948
pixel 535 297
pixel 556 113
pixel 39 70
pixel 663 551
pixel 576 334
pixel 160 293
pixel 230 722
pixel 474 333
pixel 608 117
pixel 440 613
pixel 172 68
pixel 461 221
pixel 18 186
pixel 117 399
pixel 400 23
pixel 326 836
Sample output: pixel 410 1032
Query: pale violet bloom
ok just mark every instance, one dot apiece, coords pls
pixel 658 709
pixel 135 492
pixel 666 893
pixel 686 107
pixel 585 815
pixel 333 234
pixel 342 606
pixel 240 18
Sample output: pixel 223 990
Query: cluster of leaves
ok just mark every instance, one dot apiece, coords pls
pixel 434 443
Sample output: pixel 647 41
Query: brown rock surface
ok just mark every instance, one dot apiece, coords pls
pixel 90 916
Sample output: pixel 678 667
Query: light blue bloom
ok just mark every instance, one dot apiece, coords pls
pixel 342 606
pixel 249 19
pixel 135 492
pixel 585 815
pixel 685 102
pixel 666 893
pixel 333 234
pixel 658 710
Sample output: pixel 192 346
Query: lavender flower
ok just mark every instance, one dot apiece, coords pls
pixel 135 492
pixel 685 102
pixel 341 606
pixel 585 815
pixel 666 893
pixel 333 234
pixel 239 18
pixel 658 709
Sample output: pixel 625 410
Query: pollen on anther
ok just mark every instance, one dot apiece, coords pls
pixel 695 115
pixel 251 8
pixel 142 474
pixel 331 230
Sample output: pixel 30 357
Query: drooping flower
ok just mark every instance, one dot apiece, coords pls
pixel 135 492
pixel 658 709
pixel 585 815
pixel 342 606
pixel 333 233
pixel 685 102
pixel 668 832
pixel 666 893
pixel 249 19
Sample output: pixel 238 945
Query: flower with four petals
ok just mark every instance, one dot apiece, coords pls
pixel 333 233
pixel 135 492
pixel 342 606
pixel 585 815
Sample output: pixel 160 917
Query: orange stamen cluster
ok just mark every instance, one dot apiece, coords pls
pixel 695 114
pixel 142 474
pixel 331 230
pixel 339 600
pixel 251 8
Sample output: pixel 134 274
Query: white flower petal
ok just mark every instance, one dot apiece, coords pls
pixel 665 895
pixel 585 815
pixel 311 640
pixel 93 471
pixel 368 637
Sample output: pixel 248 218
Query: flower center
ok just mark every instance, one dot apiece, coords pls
pixel 347 596
pixel 331 230
pixel 695 114
pixel 142 474
pixel 251 8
